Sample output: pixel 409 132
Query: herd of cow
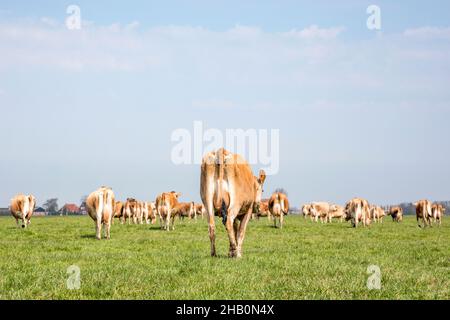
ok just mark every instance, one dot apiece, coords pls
pixel 360 211
pixel 230 191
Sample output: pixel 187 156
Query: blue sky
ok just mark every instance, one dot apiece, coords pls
pixel 360 112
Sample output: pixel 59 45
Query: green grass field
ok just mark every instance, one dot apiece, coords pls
pixel 302 261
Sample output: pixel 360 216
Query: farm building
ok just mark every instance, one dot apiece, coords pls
pixel 39 211
pixel 69 209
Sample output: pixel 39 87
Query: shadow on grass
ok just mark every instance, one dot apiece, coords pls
pixel 88 236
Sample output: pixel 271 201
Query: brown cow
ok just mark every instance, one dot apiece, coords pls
pixel 263 210
pixel 306 211
pixel 358 210
pixel 423 211
pixel 165 202
pixel 100 206
pixel 130 210
pixel 151 212
pixel 377 213
pixel 438 211
pixel 22 208
pixel 199 210
pixel 278 207
pixel 228 186
pixel 337 212
pixel 183 210
pixel 118 211
pixel 320 210
pixel 396 213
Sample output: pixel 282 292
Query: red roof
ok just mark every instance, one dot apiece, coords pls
pixel 71 207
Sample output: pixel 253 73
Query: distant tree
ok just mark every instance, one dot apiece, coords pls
pixel 51 205
pixel 281 190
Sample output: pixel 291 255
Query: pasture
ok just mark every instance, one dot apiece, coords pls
pixel 304 260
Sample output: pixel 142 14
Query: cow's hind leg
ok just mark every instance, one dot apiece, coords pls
pixel 241 232
pixel 281 220
pixel 98 229
pixel 212 231
pixel 229 224
pixel 108 229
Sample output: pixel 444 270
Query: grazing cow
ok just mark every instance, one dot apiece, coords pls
pixel 437 211
pixel 337 212
pixel 100 207
pixel 165 203
pixel 424 212
pixel 358 210
pixel 320 210
pixel 306 211
pixel 278 207
pixel 129 211
pixel 396 213
pixel 377 213
pixel 228 186
pixel 22 208
pixel 183 210
pixel 118 211
pixel 263 210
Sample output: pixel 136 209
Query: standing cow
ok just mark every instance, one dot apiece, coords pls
pixel 320 210
pixel 278 207
pixel 423 211
pixel 358 211
pixel 437 211
pixel 118 211
pixel 377 213
pixel 129 210
pixel 22 208
pixel 199 211
pixel 337 212
pixel 165 203
pixel 183 210
pixel 150 213
pixel 396 213
pixel 306 211
pixel 228 186
pixel 100 207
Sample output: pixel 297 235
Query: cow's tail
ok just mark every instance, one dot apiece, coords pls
pixel 100 205
pixel 219 201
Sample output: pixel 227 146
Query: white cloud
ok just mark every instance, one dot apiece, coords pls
pixel 428 33
pixel 314 32
pixel 297 63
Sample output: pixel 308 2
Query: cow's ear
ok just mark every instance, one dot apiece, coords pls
pixel 262 176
